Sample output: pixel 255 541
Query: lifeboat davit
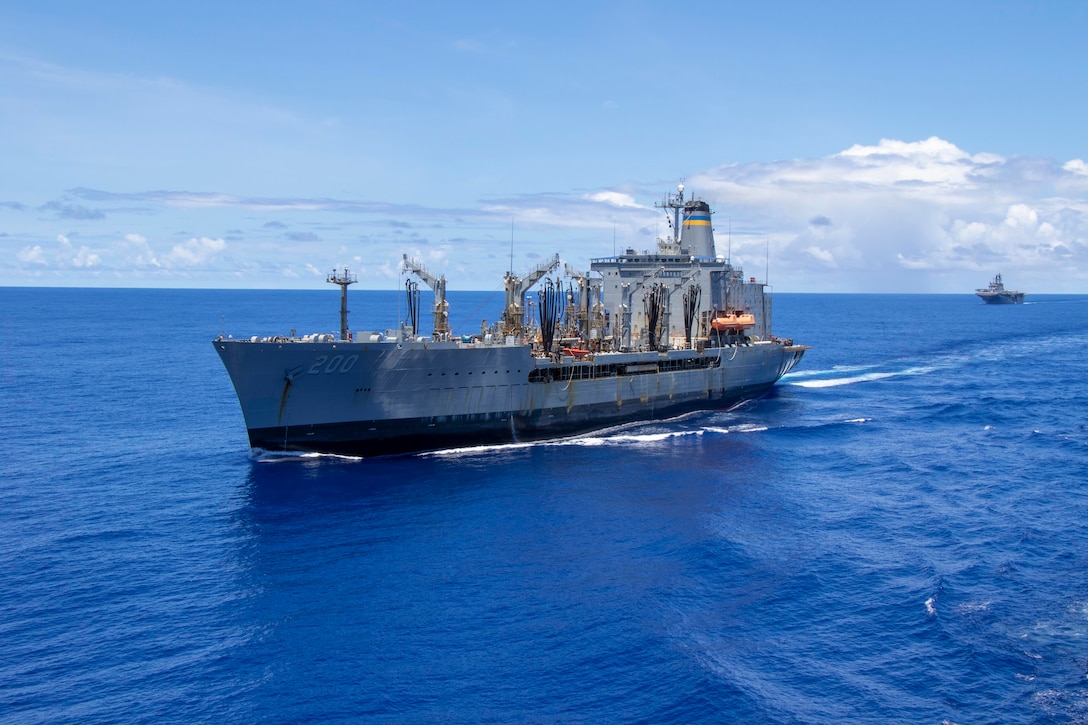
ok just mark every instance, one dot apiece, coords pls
pixel 733 321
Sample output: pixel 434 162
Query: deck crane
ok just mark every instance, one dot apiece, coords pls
pixel 513 315
pixel 438 285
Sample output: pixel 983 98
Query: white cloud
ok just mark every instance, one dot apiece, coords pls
pixel 1076 166
pixel 821 254
pixel 932 147
pixel 894 216
pixel 32 255
pixel 933 161
pixel 84 257
pixel 899 216
pixel 614 198
pixel 138 252
pixel 913 264
pixel 194 252
pixel 386 270
pixel 1022 216
pixel 970 232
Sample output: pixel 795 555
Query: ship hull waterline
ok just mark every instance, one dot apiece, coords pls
pixel 1006 299
pixel 367 439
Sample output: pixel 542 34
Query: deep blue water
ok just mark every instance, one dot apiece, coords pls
pixel 896 534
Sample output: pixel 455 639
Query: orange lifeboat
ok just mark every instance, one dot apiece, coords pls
pixel 575 352
pixel 733 321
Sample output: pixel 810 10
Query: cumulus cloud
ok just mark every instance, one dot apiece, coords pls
pixel 138 252
pixel 83 257
pixel 1021 215
pixel 614 198
pixel 924 216
pixel 194 253
pixel 32 255
pixel 1076 166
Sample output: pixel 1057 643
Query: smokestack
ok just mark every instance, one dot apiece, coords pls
pixel 698 234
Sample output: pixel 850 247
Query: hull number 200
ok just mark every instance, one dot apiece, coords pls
pixel 338 364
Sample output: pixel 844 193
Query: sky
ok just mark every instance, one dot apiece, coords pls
pixel 843 146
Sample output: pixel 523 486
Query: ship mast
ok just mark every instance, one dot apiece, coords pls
pixel 675 202
pixel 343 279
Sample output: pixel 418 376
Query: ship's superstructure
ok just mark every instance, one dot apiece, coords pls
pixel 679 292
pixel 996 294
pixel 640 336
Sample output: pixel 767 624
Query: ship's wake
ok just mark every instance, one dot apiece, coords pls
pixel 618 437
pixel 1012 352
pixel 836 377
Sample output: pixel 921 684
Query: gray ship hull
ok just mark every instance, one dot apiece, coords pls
pixel 996 294
pixel 1002 298
pixel 383 398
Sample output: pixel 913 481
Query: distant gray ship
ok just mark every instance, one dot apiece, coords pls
pixel 641 336
pixel 996 294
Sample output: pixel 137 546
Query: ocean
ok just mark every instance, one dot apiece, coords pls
pixel 896 533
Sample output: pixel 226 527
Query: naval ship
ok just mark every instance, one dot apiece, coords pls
pixel 641 336
pixel 996 294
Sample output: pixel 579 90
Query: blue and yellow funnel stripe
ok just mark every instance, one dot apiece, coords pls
pixel 697 219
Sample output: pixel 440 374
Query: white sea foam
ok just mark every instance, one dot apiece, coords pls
pixel 742 428
pixel 475 450
pixel 836 370
pixel 260 455
pixel 627 438
pixel 587 441
pixel 621 439
pixel 835 382
pixel 972 607
pixel 748 428
pixel 866 378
